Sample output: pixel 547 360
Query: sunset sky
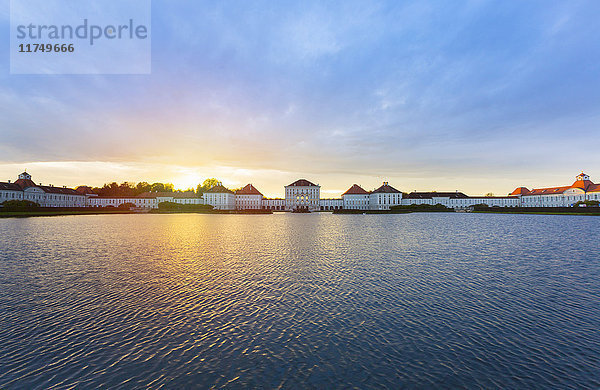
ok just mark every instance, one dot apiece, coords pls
pixel 479 96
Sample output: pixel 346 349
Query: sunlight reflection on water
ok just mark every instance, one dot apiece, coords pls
pixel 319 300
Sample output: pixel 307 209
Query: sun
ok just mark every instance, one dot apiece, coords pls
pixel 187 181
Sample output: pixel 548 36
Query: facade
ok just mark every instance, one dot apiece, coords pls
pixel 46 196
pixel 331 204
pixel 187 197
pixel 10 191
pixel 220 198
pixel 116 201
pixel 302 195
pixel 356 198
pixel 276 204
pixel 147 200
pixel 248 198
pixel 384 197
pixel 583 189
pixel 457 200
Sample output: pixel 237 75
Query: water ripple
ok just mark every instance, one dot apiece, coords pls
pixel 289 301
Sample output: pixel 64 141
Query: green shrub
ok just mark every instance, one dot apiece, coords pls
pixel 587 203
pixel 19 205
pixel 422 207
pixel 172 206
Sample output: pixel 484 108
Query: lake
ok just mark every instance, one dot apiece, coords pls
pixel 322 301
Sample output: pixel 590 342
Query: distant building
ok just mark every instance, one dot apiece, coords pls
pixel 384 197
pixel 220 198
pixel 248 198
pixel 331 204
pixel 457 200
pixel 302 195
pixel 46 196
pixel 275 204
pixel 146 200
pixel 356 198
pixel 581 190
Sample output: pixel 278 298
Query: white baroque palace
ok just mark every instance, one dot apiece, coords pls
pixel 46 196
pixel 220 198
pixel 301 195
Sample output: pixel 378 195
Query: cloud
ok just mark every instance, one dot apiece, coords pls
pixel 432 89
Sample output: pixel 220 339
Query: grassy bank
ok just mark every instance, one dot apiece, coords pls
pixel 207 211
pixel 372 211
pixel 423 208
pixel 537 212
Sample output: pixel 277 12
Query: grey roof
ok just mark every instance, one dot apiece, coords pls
pixel 430 195
pixel 9 187
pixel 386 189
pixel 220 189
pixel 60 190
pixel 302 183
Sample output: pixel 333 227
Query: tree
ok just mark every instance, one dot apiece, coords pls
pixel 489 194
pixel 207 185
pixel 126 189
pixel 162 187
pixel 142 187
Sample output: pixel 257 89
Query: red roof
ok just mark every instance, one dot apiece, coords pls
pixel 583 184
pixel 355 190
pixel 25 183
pixel 248 190
pixel 302 183
pixel 520 191
pixel 548 191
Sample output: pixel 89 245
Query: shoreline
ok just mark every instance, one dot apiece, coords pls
pixel 59 213
pixel 537 212
pixel 26 214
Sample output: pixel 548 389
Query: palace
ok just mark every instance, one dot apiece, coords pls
pixel 46 196
pixel 583 189
pixel 301 195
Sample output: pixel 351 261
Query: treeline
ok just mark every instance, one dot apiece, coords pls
pixel 127 189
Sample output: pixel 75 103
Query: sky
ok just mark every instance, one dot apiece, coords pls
pixel 478 96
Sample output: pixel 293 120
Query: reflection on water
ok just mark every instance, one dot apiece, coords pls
pixel 320 300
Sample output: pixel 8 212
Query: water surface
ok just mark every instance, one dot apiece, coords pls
pixel 315 301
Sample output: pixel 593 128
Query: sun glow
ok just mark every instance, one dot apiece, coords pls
pixel 187 181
